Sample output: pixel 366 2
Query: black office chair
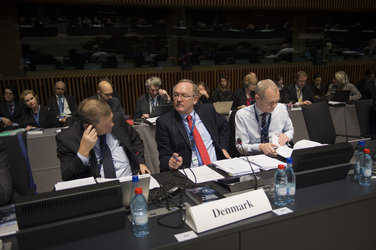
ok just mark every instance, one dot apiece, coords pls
pixel 319 123
pixel 232 147
pixel 364 112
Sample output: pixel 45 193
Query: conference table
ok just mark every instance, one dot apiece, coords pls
pixel 46 167
pixel 334 215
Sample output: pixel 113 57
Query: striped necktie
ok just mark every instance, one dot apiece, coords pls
pixel 264 129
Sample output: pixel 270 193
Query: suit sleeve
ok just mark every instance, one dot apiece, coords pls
pixel 137 112
pixel 223 131
pixel 137 146
pixel 286 98
pixel 162 137
pixel 6 188
pixel 70 164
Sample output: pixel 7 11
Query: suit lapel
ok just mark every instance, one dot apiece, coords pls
pixel 178 123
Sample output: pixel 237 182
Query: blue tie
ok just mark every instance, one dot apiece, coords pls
pixel 61 105
pixel 152 102
pixel 264 129
pixel 108 164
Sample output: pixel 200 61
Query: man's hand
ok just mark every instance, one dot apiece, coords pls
pixel 242 106
pixel 88 140
pixel 268 148
pixel 144 169
pixel 7 122
pixel 163 92
pixel 226 154
pixel 283 139
pixel 62 120
pixel 28 127
pixel 306 102
pixel 204 93
pixel 145 116
pixel 175 161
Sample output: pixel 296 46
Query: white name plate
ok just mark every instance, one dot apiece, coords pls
pixel 221 212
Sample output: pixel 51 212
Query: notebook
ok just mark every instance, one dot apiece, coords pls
pixel 223 108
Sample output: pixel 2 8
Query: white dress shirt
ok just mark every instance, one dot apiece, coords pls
pixel 249 130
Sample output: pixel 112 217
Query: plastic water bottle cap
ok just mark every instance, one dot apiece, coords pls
pixel 281 166
pixel 138 191
pixel 135 178
pixel 366 151
pixel 289 160
pixel 361 143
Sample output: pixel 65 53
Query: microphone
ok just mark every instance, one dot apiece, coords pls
pixel 239 141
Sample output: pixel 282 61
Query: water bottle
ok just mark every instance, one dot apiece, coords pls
pixel 365 168
pixel 139 210
pixel 280 186
pixel 134 186
pixel 357 155
pixel 291 186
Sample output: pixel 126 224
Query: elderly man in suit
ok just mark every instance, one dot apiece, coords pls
pixel 190 135
pixel 100 144
pixel 62 105
pixel 155 96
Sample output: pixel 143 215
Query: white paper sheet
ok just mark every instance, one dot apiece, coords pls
pixel 236 166
pixel 263 161
pixel 203 174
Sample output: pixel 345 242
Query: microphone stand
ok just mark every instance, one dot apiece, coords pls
pixel 239 141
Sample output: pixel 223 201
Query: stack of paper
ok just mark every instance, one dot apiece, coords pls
pixel 201 174
pixel 263 161
pixel 236 166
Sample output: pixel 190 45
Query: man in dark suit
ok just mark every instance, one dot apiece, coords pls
pixel 298 93
pixel 63 106
pixel 181 131
pixel 118 152
pixel 155 96
pixel 10 110
pixel 105 92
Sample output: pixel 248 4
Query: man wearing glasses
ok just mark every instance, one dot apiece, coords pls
pixel 105 93
pixel 10 110
pixel 155 96
pixel 189 135
pixel 255 125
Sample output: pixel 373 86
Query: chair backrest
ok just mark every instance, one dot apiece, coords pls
pixel 319 123
pixel 232 147
pixel 363 112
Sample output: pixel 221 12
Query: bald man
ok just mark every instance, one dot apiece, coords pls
pixel 82 148
pixel 256 124
pixel 105 92
pixel 62 105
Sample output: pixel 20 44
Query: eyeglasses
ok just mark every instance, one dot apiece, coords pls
pixel 107 95
pixel 183 97
pixel 8 93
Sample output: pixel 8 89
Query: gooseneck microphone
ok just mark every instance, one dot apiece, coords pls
pixel 239 141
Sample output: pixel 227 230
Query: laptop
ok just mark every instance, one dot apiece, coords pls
pixel 341 96
pixel 160 110
pixel 126 186
pixel 223 108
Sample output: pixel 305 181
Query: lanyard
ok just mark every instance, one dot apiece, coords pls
pixel 36 117
pixel 257 118
pixel 191 139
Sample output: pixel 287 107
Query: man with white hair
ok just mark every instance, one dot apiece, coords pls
pixel 256 124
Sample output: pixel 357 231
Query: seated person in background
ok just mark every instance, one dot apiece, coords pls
pixel 223 92
pixel 341 82
pixel 105 92
pixel 62 105
pixel 190 135
pixel 318 87
pixel 298 93
pixel 279 81
pixel 6 188
pixel 155 96
pixel 245 96
pixel 203 96
pixel 10 109
pixel 99 143
pixel 256 124
pixel 36 115
pixel 369 78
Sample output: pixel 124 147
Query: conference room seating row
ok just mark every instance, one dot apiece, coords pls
pixel 130 82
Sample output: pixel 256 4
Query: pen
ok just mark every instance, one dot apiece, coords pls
pixel 176 158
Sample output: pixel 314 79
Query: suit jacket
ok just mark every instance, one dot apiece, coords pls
pixel 68 143
pixel 239 97
pixel 289 94
pixel 6 188
pixel 114 103
pixel 46 118
pixel 171 135
pixel 143 106
pixel 52 104
pixel 4 111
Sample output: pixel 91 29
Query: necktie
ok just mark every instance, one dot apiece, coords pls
pixel 152 102
pixel 10 106
pixel 264 129
pixel 199 143
pixel 108 164
pixel 300 96
pixel 61 105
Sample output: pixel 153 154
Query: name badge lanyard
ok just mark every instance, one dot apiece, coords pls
pixel 258 121
pixel 36 117
pixel 192 141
